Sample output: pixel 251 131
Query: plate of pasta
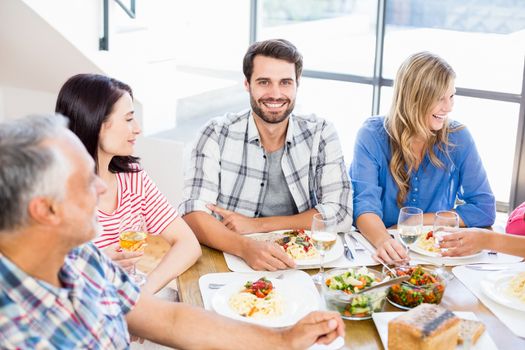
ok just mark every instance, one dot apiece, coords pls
pixel 298 245
pixel 426 245
pixel 506 288
pixel 266 301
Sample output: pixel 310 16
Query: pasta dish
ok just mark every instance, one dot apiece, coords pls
pixel 258 300
pixel 516 286
pixel 297 244
pixel 428 242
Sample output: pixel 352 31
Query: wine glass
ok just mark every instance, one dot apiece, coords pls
pixel 445 222
pixel 132 238
pixel 409 225
pixel 324 235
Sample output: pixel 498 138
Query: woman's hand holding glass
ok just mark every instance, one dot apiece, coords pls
pixel 132 239
pixel 465 242
pixel 123 258
pixel 445 222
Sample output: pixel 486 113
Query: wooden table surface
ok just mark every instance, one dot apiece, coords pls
pixel 359 334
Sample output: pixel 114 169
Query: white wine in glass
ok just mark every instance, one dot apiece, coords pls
pixel 409 225
pixel 323 241
pixel 132 238
pixel 323 235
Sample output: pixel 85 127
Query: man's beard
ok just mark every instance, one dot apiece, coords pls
pixel 269 117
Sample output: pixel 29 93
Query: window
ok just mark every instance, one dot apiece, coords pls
pixel 333 36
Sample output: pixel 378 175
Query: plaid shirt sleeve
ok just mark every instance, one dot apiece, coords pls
pixel 333 190
pixel 128 293
pixel 201 180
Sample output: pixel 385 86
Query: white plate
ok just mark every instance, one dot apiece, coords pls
pixel 381 320
pixel 294 308
pixel 495 284
pixel 415 248
pixel 332 255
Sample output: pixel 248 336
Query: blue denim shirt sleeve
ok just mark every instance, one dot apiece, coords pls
pixel 474 189
pixel 364 173
pixel 432 188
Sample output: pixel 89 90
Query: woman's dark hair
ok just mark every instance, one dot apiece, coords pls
pixel 87 100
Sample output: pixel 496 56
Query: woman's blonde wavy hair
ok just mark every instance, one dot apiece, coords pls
pixel 421 81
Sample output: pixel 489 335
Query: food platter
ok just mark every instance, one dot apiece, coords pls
pixel 381 320
pixel 495 285
pixel 331 255
pixel 292 308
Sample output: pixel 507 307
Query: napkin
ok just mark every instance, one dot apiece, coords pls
pixel 513 319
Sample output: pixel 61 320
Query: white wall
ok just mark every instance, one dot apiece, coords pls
pixel 79 21
pixel 43 43
pixel 33 54
pixel 16 102
pixel 163 160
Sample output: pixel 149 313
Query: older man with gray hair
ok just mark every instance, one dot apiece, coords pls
pixel 57 290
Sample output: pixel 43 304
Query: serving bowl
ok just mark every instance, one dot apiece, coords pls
pixel 341 292
pixel 426 285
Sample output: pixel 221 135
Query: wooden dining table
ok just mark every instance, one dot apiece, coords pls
pixel 359 334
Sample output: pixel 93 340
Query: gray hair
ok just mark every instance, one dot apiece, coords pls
pixel 29 168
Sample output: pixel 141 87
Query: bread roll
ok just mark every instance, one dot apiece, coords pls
pixel 470 331
pixel 425 327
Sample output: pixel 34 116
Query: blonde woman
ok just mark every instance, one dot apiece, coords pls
pixel 416 156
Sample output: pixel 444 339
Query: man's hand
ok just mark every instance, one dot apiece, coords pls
pixel 269 256
pixel 320 327
pixel 234 221
pixel 391 251
pixel 125 259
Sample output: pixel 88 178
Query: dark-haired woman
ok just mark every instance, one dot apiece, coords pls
pixel 101 114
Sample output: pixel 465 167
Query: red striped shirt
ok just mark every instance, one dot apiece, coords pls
pixel 136 193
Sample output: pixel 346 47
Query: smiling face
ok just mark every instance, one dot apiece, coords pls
pixel 119 133
pixel 272 88
pixel 439 112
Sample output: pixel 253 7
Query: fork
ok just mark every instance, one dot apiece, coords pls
pixel 220 285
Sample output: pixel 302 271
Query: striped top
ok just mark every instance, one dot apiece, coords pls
pixel 87 312
pixel 136 193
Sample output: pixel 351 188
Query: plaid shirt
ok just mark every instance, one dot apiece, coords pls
pixel 87 313
pixel 228 167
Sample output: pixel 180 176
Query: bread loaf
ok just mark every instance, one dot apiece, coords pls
pixel 425 327
pixel 470 331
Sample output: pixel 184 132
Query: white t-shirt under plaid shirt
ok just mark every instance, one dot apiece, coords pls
pixel 136 193
pixel 229 168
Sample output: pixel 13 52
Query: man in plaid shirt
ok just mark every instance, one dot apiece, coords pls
pixel 265 169
pixel 58 291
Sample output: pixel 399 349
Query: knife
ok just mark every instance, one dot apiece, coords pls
pixel 347 252
pixel 348 242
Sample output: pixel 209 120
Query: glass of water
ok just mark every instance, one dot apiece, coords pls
pixel 445 222
pixel 409 225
